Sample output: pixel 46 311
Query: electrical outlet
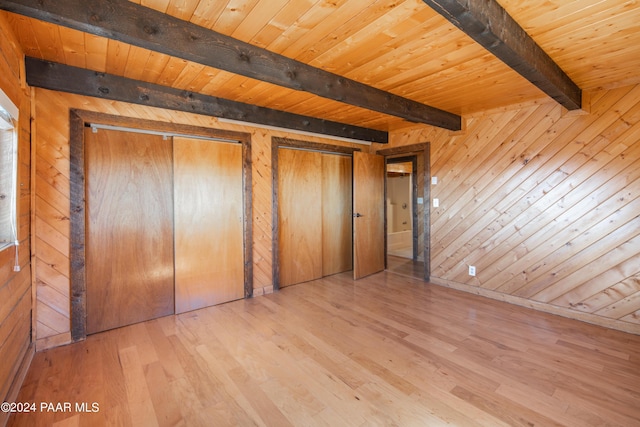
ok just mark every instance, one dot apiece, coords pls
pixel 472 270
pixel 436 203
pixel 16 268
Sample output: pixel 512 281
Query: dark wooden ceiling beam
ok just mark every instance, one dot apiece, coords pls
pixel 490 25
pixel 65 78
pixel 132 23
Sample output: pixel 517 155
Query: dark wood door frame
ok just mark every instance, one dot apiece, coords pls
pixel 78 120
pixel 276 143
pixel 424 150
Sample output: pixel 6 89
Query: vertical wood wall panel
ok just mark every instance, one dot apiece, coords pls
pixel 545 205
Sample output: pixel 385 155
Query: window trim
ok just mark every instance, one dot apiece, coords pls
pixel 9 123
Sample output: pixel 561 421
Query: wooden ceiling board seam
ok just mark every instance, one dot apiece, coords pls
pixel 385 53
pixel 583 35
pixel 156 63
pixel 285 17
pixel 541 22
pixel 220 80
pixel 207 13
pixel 73 46
pixel 49 34
pixel 236 11
pixel 417 68
pixel 26 38
pixel 301 28
pixel 182 9
pixel 159 5
pixel 348 30
pixel 317 30
pixel 257 19
pixel 189 73
pixel 136 61
pixel 367 38
pixel 96 54
pixel 117 55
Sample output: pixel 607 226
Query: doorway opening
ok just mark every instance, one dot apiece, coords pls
pixel 400 209
pixel 407 223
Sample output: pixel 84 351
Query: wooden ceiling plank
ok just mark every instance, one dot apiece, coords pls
pixel 233 15
pixel 131 23
pixel 64 78
pixel 156 63
pixel 345 26
pixel 257 19
pixel 27 37
pixel 307 32
pixel 159 5
pixel 281 22
pixel 138 58
pixel 96 52
pixel 171 71
pixel 539 20
pixel 370 37
pixel 182 9
pixel 49 41
pixel 492 27
pixel 117 56
pixel 207 13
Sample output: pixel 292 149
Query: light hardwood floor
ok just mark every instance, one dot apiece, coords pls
pixel 386 350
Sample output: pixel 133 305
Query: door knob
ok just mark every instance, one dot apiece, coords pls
pixel 357 215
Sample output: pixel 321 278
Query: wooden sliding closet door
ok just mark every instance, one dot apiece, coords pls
pixel 209 253
pixel 299 216
pixel 129 236
pixel 337 245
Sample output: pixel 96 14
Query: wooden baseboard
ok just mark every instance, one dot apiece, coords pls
pixel 16 384
pixel 53 341
pixel 540 306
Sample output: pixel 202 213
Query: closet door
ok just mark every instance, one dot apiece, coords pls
pixel 337 245
pixel 368 212
pixel 129 236
pixel 299 216
pixel 209 253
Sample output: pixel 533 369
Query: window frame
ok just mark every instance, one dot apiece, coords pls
pixel 9 134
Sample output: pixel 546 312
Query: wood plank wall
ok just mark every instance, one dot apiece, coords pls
pixel 545 205
pixel 15 287
pixel 52 199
